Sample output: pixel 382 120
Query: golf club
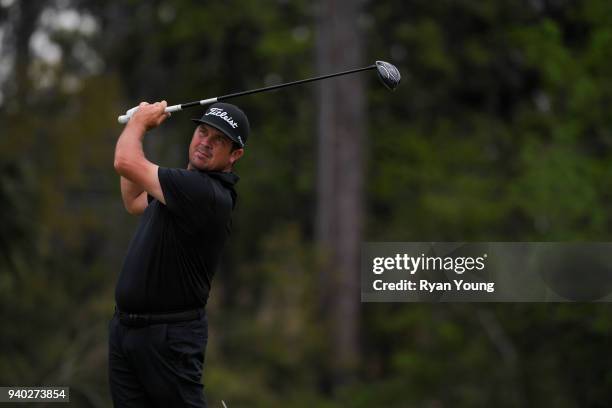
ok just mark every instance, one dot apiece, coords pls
pixel 388 74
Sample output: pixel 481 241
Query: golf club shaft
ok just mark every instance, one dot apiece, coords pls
pixel 302 81
pixel 175 108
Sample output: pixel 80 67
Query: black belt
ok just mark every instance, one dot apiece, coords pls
pixel 146 319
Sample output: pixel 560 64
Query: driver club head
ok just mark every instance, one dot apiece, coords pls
pixel 388 74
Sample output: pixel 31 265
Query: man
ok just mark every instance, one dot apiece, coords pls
pixel 159 331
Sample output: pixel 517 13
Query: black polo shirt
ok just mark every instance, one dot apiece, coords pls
pixel 172 257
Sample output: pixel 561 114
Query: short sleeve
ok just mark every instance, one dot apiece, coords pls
pixel 189 196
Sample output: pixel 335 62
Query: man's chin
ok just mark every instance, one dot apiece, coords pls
pixel 206 166
pixel 194 165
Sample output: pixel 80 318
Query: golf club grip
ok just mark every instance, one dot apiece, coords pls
pixel 123 119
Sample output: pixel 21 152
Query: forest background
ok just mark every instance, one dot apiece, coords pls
pixel 499 131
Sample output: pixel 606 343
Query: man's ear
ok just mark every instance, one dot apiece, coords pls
pixel 236 154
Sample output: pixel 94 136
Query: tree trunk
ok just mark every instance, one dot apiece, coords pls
pixel 340 167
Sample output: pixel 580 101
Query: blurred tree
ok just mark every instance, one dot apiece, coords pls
pixel 341 119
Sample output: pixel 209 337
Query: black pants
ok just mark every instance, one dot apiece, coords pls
pixel 158 365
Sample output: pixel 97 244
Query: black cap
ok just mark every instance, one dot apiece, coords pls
pixel 228 119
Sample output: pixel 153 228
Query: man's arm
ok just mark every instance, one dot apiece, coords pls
pixel 134 197
pixel 130 161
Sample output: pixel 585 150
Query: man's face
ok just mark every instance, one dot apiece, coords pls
pixel 211 150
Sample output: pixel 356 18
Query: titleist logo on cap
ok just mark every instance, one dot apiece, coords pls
pixel 223 115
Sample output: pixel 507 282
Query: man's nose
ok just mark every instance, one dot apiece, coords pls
pixel 205 141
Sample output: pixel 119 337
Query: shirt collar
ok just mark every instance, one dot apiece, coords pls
pixel 226 177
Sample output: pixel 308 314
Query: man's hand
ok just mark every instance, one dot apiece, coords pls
pixel 149 116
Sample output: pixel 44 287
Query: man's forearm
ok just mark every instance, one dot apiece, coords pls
pixel 130 162
pixel 127 151
pixel 129 147
pixel 130 191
